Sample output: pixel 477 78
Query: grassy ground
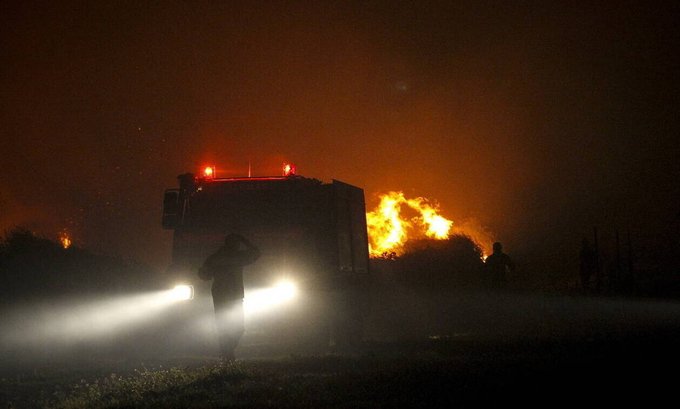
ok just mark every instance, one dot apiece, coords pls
pixel 432 373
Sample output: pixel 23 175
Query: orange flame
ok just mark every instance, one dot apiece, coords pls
pixel 388 230
pixel 65 240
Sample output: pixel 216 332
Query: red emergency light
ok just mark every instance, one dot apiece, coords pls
pixel 289 169
pixel 209 172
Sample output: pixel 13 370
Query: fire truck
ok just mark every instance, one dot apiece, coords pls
pixel 310 232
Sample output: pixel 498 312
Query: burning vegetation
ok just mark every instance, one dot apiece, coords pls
pixel 398 222
pixel 390 227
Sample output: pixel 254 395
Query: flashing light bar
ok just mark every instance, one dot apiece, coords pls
pixel 289 169
pixel 209 172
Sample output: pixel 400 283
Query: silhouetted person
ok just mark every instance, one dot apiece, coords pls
pixel 588 263
pixel 497 266
pixel 225 267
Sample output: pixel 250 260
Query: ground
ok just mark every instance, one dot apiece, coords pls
pixel 632 368
pixel 463 349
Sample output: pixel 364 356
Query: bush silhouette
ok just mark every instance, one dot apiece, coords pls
pixel 434 264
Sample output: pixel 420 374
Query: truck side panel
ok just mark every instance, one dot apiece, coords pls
pixel 350 222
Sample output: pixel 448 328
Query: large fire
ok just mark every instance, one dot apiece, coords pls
pixel 388 229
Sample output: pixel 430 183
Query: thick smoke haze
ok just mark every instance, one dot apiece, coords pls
pixel 537 121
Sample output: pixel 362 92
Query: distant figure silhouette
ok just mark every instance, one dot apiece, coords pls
pixel 588 263
pixel 498 265
pixel 225 267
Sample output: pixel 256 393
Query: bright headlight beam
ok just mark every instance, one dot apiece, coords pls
pixel 91 319
pixel 182 292
pixel 73 322
pixel 285 290
pixel 266 298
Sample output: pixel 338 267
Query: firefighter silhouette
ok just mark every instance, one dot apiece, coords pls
pixel 498 265
pixel 225 268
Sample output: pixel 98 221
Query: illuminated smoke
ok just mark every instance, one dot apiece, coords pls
pixel 477 232
pixel 86 320
pixel 259 300
pixel 389 229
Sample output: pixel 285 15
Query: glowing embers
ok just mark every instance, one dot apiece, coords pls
pixel 261 300
pixel 182 292
pixel 389 229
pixel 65 239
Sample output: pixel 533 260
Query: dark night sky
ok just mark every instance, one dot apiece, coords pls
pixel 539 121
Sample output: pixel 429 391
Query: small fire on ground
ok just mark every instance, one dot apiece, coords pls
pixel 64 239
pixel 398 219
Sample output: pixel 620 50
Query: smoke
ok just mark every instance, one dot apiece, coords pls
pixel 152 323
pixel 75 321
pixel 479 233
pixel 401 313
pixel 520 116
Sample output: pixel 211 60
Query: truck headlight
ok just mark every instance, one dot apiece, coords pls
pixel 284 290
pixel 182 292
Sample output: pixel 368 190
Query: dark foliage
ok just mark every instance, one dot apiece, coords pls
pixel 33 267
pixel 434 264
